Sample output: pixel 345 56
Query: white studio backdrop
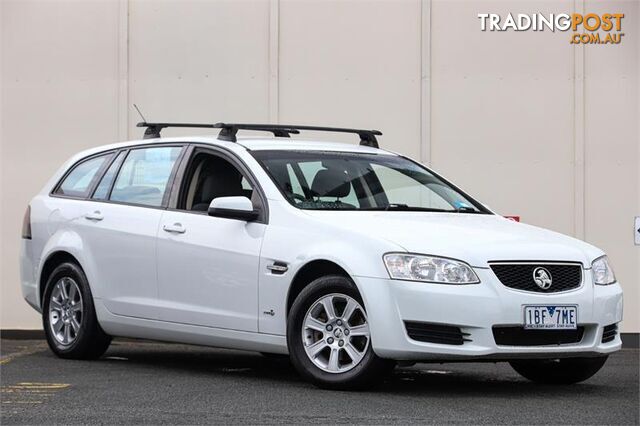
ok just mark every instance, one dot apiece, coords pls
pixel 525 121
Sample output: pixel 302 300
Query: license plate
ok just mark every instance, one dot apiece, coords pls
pixel 551 317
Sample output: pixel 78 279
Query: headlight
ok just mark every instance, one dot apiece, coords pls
pixel 429 269
pixel 602 271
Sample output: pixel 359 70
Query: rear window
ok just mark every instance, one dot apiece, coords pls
pixel 79 180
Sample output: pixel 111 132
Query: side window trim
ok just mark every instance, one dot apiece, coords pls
pixel 98 176
pixel 172 176
pixel 94 180
pixel 228 155
pixel 103 172
pixel 185 161
pixel 115 176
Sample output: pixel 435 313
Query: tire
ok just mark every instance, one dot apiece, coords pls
pixel 68 305
pixel 563 371
pixel 333 367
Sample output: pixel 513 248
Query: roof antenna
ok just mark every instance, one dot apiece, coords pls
pixel 151 132
pixel 140 113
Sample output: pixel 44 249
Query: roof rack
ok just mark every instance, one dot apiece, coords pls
pixel 228 131
pixel 153 129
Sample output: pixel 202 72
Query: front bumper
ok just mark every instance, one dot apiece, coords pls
pixel 475 309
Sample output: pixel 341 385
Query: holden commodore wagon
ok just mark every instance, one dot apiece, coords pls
pixel 348 258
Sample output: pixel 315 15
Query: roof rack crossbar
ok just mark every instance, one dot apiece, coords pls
pixel 367 137
pixel 228 131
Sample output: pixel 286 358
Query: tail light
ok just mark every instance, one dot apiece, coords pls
pixel 26 224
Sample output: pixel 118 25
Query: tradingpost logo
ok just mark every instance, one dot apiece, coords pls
pixel 591 28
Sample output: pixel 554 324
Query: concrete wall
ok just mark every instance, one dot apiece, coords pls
pixel 525 121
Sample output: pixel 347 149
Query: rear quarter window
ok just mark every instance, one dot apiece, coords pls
pixel 78 182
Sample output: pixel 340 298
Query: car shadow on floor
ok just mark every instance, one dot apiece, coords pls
pixel 424 380
pixel 202 361
pixel 433 380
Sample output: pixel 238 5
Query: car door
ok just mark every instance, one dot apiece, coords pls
pixel 208 266
pixel 120 225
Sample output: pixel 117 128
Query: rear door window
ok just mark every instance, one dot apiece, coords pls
pixel 144 176
pixel 79 180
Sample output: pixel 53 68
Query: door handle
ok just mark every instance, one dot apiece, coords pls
pixel 96 216
pixel 176 228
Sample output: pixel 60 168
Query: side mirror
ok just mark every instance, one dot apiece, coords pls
pixel 239 208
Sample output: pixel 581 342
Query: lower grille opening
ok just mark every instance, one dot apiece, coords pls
pixel 436 333
pixel 518 336
pixel 609 333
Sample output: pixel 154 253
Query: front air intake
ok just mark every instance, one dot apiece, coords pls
pixel 609 333
pixel 436 333
pixel 519 336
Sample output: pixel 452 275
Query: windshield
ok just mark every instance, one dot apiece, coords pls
pixel 319 180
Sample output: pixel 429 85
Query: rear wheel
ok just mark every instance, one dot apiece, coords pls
pixel 68 315
pixel 562 371
pixel 329 339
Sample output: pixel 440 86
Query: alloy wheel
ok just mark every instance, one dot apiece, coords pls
pixel 65 311
pixel 335 333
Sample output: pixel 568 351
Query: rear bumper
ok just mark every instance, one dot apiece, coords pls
pixel 476 309
pixel 28 276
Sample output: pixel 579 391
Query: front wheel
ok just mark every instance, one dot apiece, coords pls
pixel 562 371
pixel 329 339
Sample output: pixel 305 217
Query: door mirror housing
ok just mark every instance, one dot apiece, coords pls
pixel 240 208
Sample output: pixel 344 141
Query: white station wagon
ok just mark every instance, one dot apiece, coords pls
pixel 349 258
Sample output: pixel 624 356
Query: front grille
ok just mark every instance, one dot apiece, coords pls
pixel 518 336
pixel 609 333
pixel 436 333
pixel 520 276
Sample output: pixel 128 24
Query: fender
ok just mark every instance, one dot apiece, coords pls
pixel 350 251
pixel 66 240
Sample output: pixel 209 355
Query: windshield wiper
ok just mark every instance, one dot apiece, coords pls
pixel 405 207
pixel 467 210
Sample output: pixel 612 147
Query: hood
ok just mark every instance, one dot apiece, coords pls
pixel 474 238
